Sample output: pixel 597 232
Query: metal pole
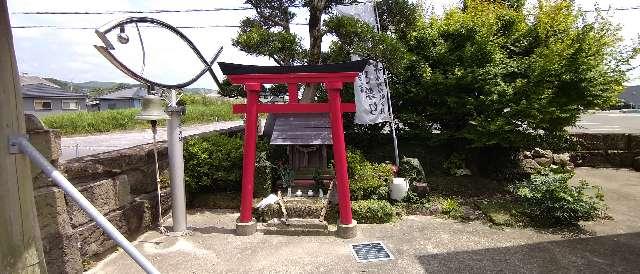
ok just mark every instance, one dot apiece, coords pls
pixel 386 81
pixel 83 203
pixel 154 131
pixel 176 167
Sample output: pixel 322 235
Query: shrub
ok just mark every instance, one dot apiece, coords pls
pixel 550 201
pixel 449 207
pixel 373 211
pixel 214 164
pixel 368 180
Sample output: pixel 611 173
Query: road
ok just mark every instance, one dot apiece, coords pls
pixel 73 147
pixel 608 122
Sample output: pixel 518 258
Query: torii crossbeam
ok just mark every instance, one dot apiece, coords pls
pixel 333 76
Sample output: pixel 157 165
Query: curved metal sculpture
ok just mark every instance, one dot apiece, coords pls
pixel 120 23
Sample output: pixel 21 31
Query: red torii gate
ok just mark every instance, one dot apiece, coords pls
pixel 333 76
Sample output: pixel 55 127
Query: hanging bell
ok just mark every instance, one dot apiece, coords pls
pixel 152 109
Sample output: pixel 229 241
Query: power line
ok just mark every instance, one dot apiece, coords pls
pixel 614 9
pixel 127 11
pixel 148 11
pixel 179 27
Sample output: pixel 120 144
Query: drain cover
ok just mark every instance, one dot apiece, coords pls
pixel 370 252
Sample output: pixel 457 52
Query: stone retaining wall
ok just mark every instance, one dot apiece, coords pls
pixel 607 150
pixel 120 184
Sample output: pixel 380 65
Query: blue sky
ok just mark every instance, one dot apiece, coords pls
pixel 69 54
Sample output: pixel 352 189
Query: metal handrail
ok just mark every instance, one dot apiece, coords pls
pixel 21 144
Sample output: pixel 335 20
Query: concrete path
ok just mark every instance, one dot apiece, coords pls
pixel 608 122
pixel 420 244
pixel 73 147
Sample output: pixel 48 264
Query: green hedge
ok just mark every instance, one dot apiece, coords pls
pixel 373 211
pixel 200 109
pixel 214 164
pixel 368 180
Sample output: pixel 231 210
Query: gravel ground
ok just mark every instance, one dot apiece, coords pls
pixel 420 244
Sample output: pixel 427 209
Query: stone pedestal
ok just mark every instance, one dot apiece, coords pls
pixel 246 229
pixel 347 231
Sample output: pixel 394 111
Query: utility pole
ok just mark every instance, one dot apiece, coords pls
pixel 20 243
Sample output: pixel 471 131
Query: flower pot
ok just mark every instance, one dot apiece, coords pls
pixel 399 189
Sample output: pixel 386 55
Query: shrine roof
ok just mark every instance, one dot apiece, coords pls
pixel 238 69
pixel 301 129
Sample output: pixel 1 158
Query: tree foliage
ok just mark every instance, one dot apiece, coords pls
pixel 490 73
pixel 269 34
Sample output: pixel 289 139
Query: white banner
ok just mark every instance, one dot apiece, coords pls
pixel 371 95
pixel 370 88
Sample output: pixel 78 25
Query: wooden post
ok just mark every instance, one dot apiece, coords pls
pixel 249 151
pixel 20 243
pixel 339 152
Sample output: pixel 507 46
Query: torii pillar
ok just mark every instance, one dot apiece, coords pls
pixel 333 76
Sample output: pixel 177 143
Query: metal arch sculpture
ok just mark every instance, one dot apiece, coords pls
pixel 105 50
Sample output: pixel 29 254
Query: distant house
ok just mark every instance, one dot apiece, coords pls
pixel 631 96
pixel 42 99
pixel 124 98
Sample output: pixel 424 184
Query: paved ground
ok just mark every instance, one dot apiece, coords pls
pixel 608 122
pixel 420 244
pixel 73 147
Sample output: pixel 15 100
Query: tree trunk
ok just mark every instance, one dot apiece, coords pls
pixel 316 8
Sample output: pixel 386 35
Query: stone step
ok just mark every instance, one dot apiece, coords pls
pixel 296 227
pixel 297 207
pixel 306 224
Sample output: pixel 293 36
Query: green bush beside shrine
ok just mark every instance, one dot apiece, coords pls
pixel 368 180
pixel 373 211
pixel 214 164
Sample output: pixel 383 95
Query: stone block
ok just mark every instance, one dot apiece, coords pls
pixel 602 141
pixel 142 180
pixel 47 142
pixel 619 159
pixel 59 242
pixel 94 241
pixel 544 162
pixel 106 196
pixel 246 229
pixel 41 180
pixel 636 163
pixel 52 210
pixel 347 231
pixel 633 143
pixel 150 203
pixel 32 122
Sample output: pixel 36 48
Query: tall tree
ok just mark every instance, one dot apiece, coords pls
pixel 268 33
pixel 492 74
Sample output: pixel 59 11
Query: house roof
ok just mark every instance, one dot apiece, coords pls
pixel 128 93
pixel 631 95
pixel 301 129
pixel 32 80
pixel 43 90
